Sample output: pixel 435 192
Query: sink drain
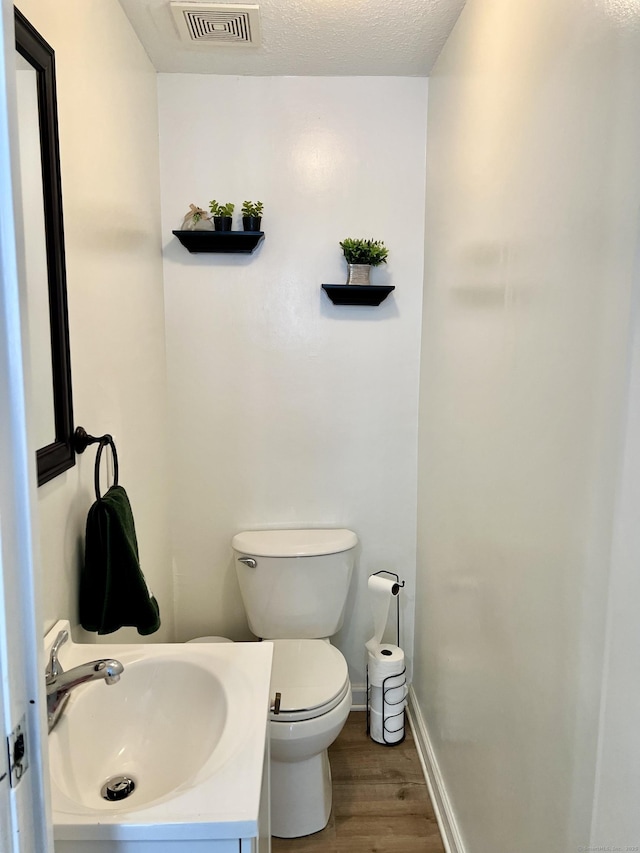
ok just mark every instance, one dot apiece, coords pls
pixel 118 788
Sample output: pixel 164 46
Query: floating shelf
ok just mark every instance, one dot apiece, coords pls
pixel 357 294
pixel 225 242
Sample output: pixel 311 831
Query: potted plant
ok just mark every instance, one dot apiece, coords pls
pixel 252 215
pixel 222 215
pixel 360 256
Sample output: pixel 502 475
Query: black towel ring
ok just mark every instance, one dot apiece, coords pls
pixel 106 440
pixel 82 439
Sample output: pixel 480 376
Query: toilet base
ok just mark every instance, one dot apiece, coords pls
pixel 300 796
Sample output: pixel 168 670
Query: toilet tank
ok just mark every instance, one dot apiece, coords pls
pixel 298 587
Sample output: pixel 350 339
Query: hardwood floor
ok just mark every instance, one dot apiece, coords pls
pixel 380 800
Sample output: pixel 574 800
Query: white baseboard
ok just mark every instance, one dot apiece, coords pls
pixel 445 816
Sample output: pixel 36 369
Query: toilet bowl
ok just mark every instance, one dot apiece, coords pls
pixel 210 640
pixel 294 586
pixel 312 680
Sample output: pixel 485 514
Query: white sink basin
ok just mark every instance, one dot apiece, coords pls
pixel 159 725
pixel 186 722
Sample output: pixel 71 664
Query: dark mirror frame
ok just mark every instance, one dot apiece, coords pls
pixel 59 455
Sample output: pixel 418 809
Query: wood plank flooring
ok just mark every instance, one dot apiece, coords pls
pixel 380 800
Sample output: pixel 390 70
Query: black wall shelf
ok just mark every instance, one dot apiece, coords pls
pixel 224 242
pixel 357 294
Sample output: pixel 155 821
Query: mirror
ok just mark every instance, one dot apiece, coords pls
pixel 46 282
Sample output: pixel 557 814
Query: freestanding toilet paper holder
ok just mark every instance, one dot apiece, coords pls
pixel 386 688
pixel 398 585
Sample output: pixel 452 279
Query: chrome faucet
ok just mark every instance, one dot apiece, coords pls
pixel 60 683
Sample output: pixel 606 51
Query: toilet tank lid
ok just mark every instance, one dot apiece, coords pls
pixel 294 543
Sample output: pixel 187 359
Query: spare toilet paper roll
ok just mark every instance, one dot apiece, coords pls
pixel 392 696
pixel 381 591
pixel 385 661
pixel 388 730
pixel 375 698
pixel 395 690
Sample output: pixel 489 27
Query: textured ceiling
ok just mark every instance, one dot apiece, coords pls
pixel 309 37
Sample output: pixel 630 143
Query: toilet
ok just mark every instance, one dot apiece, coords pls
pixel 294 585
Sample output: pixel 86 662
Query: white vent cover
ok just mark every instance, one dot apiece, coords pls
pixel 217 23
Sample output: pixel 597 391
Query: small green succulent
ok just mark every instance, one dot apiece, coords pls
pixel 252 208
pixel 357 251
pixel 218 209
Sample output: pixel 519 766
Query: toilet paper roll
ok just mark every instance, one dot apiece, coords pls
pixel 381 591
pixel 375 726
pixel 375 699
pixel 384 661
pixel 393 694
pixel 393 731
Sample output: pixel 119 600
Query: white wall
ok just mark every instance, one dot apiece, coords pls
pixel 110 183
pixel 286 410
pixel 533 185
pixel 616 818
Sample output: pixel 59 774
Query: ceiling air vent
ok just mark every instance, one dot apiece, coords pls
pixel 215 23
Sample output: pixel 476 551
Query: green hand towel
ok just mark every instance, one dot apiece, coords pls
pixel 113 591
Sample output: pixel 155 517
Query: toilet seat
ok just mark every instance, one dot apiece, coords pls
pixel 312 677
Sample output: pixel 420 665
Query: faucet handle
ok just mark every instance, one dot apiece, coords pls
pixel 54 667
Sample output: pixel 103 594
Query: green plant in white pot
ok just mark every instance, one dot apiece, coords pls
pixel 360 256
